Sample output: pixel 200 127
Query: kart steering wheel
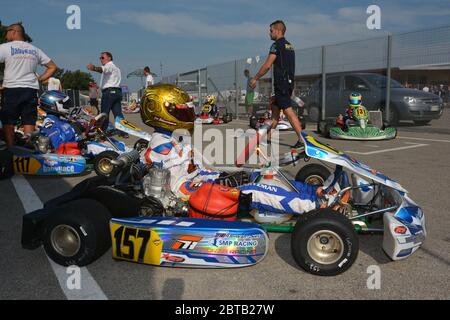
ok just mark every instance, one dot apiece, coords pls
pixel 250 147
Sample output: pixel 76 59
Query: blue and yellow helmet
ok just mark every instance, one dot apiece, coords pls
pixel 355 99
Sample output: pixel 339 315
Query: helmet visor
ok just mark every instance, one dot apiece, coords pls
pixel 182 112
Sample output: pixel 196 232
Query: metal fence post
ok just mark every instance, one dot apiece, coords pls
pixel 324 81
pixel 236 89
pixel 199 83
pixel 388 75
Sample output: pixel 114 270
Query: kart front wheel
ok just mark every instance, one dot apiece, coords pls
pixel 324 243
pixel 77 233
pixel 141 145
pixel 102 163
pixel 313 173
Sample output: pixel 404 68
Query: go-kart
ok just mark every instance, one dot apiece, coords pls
pixel 144 222
pixel 210 115
pixel 359 128
pixel 32 154
pixel 257 122
pixel 89 145
pixel 133 107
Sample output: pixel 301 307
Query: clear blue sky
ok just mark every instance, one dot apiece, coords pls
pixel 187 34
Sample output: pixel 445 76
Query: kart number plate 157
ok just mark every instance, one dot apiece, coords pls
pixel 134 244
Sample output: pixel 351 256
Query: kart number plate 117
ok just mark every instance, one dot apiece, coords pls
pixel 135 244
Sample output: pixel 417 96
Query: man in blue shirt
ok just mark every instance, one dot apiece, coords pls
pixel 282 57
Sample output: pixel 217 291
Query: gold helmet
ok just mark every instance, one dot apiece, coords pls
pixel 167 106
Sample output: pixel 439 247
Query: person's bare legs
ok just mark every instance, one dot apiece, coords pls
pixel 293 120
pixel 8 130
pixel 275 118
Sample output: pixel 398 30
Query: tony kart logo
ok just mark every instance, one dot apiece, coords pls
pixel 186 243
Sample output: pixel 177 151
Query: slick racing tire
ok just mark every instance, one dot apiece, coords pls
pixel 102 163
pixel 313 173
pixel 227 118
pixel 324 243
pixel 77 233
pixel 141 145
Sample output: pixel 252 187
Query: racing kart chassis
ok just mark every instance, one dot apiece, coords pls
pixel 112 211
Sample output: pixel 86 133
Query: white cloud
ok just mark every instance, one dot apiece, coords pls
pixel 306 30
pixel 184 24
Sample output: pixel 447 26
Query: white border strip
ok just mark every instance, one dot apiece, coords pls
pixel 90 290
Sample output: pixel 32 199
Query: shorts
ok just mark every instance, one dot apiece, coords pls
pixel 20 103
pixel 282 98
pixel 249 96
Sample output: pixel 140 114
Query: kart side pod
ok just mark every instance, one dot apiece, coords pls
pixel 185 242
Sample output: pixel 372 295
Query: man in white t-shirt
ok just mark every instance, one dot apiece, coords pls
pixel 54 84
pixel 110 85
pixel 148 77
pixel 21 83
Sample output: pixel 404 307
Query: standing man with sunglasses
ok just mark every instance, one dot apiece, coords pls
pixel 110 85
pixel 21 83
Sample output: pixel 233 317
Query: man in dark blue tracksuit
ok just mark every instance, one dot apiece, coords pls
pixel 282 57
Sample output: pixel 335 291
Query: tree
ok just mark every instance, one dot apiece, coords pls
pixel 77 80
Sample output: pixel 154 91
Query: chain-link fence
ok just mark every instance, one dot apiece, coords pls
pixel 384 70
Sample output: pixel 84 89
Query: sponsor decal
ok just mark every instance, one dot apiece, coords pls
pixel 400 230
pixel 224 239
pixel 66 169
pixel 50 162
pixel 186 243
pixel 267 187
pixel 15 51
pixel 234 243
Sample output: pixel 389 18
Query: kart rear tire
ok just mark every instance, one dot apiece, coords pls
pixel 324 243
pixel 313 173
pixel 140 145
pixel 77 233
pixel 102 163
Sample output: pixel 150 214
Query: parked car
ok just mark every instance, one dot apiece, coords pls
pixel 405 104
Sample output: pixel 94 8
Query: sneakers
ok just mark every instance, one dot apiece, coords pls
pixel 326 199
pixel 298 145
